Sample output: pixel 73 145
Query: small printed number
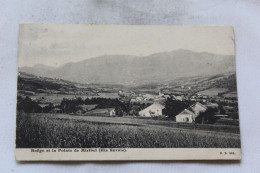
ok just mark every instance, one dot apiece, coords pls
pixel 225 153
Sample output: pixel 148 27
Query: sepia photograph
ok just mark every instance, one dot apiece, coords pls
pixel 126 92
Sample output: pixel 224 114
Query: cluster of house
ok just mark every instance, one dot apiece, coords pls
pixel 186 116
pixel 155 98
pixel 154 110
pixel 199 98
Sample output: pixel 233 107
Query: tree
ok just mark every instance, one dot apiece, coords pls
pixel 119 111
pixel 48 109
pixel 207 117
pixel 79 101
pixel 221 109
pixel 72 105
pixel 174 107
pixel 68 106
pixel 27 105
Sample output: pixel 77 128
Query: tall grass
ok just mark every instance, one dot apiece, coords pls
pixel 46 132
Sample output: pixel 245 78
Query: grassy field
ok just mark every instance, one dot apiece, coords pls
pixel 213 91
pixel 57 98
pixel 231 94
pixel 129 120
pixel 54 98
pixel 65 131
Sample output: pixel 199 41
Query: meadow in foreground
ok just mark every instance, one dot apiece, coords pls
pixel 46 132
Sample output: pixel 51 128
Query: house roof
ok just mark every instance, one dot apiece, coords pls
pixel 198 103
pixel 154 104
pixel 191 108
pixel 42 105
pixel 158 104
pixel 186 111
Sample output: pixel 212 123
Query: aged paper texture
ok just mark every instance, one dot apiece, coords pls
pixel 110 92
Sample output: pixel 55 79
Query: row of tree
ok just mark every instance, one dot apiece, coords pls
pixel 27 105
pixel 172 107
pixel 207 117
pixel 71 105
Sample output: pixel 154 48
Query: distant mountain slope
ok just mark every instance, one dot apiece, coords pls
pixel 38 69
pixel 123 69
pixel 33 83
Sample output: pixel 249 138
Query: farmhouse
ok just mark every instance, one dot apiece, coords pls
pixel 189 115
pixel 180 98
pixel 153 110
pixel 56 110
pixel 86 108
pixel 42 105
pixel 103 112
pixel 212 105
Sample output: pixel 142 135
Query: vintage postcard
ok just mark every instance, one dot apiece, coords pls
pixel 109 92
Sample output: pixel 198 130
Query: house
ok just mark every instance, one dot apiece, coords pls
pixel 82 109
pixel 166 96
pixel 56 110
pixel 148 96
pixel 139 98
pixel 86 108
pixel 186 116
pixel 174 97
pixel 153 110
pixel 212 105
pixel 160 94
pixel 228 108
pixel 180 98
pixel 103 112
pixel 190 114
pixel 42 105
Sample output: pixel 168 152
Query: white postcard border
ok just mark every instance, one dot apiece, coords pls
pixel 124 154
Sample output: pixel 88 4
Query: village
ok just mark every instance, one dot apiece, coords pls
pixel 181 102
pixel 155 107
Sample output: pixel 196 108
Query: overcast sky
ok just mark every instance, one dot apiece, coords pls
pixel 56 45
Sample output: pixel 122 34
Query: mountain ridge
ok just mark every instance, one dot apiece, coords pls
pixel 130 69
